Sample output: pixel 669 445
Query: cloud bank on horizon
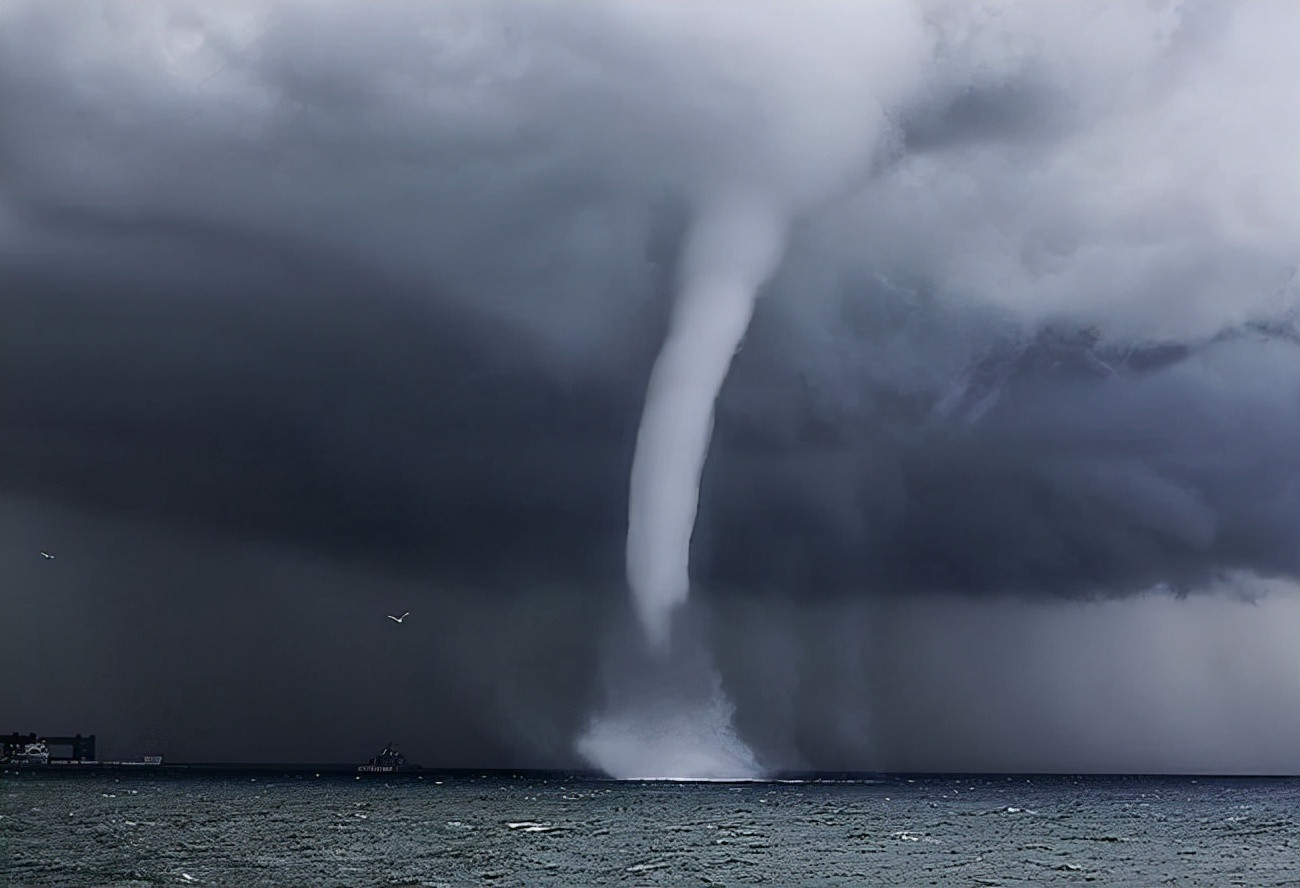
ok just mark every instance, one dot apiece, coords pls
pixel 308 274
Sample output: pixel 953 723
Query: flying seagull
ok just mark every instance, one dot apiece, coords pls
pixel 47 555
pixel 399 619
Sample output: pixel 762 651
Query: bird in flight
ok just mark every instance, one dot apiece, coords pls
pixel 47 555
pixel 399 619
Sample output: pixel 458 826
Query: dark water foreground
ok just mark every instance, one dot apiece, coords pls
pixel 298 830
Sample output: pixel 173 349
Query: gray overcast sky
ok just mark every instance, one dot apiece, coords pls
pixel 310 312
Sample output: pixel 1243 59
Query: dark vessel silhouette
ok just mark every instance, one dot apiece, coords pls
pixel 388 761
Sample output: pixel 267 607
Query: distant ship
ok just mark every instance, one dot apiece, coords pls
pixel 389 761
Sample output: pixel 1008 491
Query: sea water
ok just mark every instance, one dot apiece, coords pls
pixel 298 830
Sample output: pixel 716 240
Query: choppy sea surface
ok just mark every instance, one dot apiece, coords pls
pixel 299 830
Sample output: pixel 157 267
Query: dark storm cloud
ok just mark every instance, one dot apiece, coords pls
pixel 159 638
pixel 1053 465
pixel 1150 684
pixel 376 425
pixel 378 294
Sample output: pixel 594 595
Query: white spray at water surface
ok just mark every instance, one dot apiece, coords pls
pixel 666 715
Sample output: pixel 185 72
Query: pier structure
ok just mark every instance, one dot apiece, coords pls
pixel 16 747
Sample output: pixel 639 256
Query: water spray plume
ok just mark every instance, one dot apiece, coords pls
pixel 732 248
pixel 667 714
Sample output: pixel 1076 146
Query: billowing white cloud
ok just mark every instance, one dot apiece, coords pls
pixel 1126 165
